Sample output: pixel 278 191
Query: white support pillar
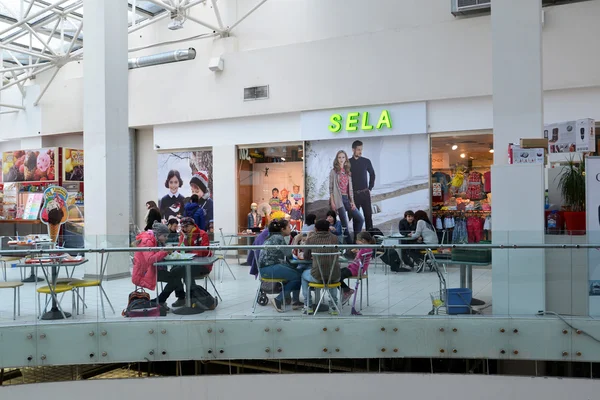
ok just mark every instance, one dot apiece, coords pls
pixel 225 182
pixel 518 191
pixel 106 134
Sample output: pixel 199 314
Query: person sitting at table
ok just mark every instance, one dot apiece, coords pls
pixel 193 210
pixel 362 256
pixel 273 263
pixel 335 226
pixel 190 236
pixel 299 240
pixel 406 227
pixel 144 273
pixel 322 236
pixel 425 233
pixel 309 223
pixel 253 255
pixel 173 226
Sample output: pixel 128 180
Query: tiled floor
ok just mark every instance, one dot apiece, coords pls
pixel 392 294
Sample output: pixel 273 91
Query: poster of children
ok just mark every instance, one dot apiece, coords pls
pixel 185 182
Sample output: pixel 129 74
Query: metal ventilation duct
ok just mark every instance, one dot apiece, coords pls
pixel 162 58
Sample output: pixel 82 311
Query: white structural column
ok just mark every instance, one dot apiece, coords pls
pixel 106 134
pixel 518 191
pixel 225 180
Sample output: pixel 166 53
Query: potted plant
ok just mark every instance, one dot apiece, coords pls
pixel 572 188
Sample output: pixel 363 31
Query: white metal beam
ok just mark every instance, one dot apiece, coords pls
pixel 34 33
pixel 196 20
pixel 33 16
pixel 17 81
pixel 28 8
pixel 54 17
pixel 12 106
pixel 25 51
pixel 218 14
pixel 256 7
pixel 75 38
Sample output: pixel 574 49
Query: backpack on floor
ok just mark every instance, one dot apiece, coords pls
pixel 200 298
pixel 139 305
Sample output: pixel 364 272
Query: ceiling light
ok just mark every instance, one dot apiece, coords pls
pixel 462 155
pixel 491 149
pixel 454 147
pixel 282 158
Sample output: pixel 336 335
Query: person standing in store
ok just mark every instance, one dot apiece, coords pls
pixel 199 185
pixel 363 181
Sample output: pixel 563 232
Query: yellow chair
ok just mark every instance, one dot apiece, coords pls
pixel 16 287
pixel 282 282
pixel 82 284
pixel 326 287
pixel 6 259
pixel 60 288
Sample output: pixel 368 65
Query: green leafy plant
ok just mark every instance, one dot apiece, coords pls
pixel 572 185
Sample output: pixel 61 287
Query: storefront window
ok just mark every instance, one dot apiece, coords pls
pixel 461 187
pixel 271 182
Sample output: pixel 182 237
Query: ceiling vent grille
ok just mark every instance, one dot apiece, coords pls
pixel 256 93
pixel 462 7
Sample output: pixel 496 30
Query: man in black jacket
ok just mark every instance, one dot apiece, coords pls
pixel 406 226
pixel 363 180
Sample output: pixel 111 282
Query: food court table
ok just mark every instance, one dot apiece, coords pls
pixel 188 264
pixel 55 262
pixel 466 275
pixel 30 246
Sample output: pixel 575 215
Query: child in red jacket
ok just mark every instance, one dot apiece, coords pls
pixel 191 235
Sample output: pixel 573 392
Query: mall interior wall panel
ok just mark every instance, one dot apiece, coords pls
pixel 442 64
pixel 299 386
pixel 250 130
pixel 22 123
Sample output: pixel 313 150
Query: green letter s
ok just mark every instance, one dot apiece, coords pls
pixel 336 123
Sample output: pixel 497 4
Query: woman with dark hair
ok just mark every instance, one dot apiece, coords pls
pixel 425 233
pixel 172 203
pixel 152 216
pixel 309 223
pixel 273 263
pixel 341 194
pixel 335 226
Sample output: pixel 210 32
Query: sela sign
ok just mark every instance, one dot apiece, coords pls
pixel 357 120
pixel 354 123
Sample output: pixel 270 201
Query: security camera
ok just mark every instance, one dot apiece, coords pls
pixel 157 146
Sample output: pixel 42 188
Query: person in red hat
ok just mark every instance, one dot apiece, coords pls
pixel 199 185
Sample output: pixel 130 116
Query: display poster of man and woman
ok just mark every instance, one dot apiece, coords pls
pixel 368 182
pixel 182 175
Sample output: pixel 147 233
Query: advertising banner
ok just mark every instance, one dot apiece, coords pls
pixel 180 175
pixel 30 165
pixel 389 176
pixel 72 165
pixel 592 205
pixel 571 136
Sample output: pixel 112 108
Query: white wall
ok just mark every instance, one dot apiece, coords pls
pixel 390 51
pixel 146 165
pixel 318 386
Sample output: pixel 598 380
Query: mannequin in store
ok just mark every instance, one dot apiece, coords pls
pixel 297 201
pixel 254 220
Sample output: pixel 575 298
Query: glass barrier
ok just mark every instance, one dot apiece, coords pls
pixel 515 274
